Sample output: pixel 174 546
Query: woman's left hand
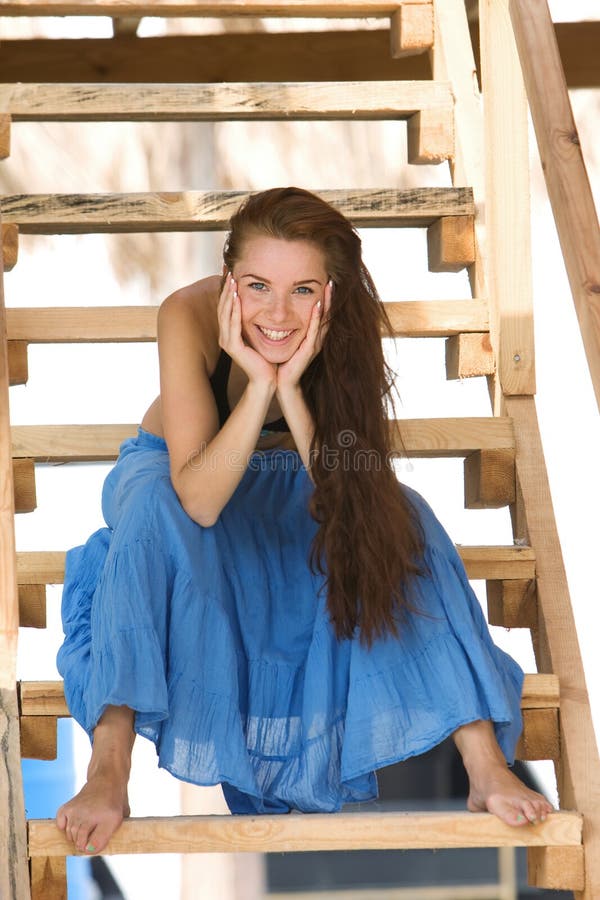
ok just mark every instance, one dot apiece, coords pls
pixel 289 373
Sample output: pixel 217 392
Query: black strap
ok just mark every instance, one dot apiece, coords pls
pixel 218 381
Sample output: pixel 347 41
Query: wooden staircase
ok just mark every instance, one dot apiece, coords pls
pixel 490 333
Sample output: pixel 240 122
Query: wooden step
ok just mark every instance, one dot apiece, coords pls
pixel 46 698
pixel 68 324
pixel 357 100
pixel 421 438
pixel 212 210
pixel 298 832
pixel 197 8
pixel 40 567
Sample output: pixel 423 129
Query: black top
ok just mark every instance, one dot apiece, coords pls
pixel 218 382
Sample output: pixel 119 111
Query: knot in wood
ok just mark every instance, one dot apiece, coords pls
pixel 574 138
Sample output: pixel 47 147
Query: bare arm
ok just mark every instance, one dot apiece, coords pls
pixel 207 464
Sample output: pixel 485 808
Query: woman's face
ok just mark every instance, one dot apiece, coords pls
pixel 279 282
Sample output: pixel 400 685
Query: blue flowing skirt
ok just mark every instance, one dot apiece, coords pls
pixel 220 640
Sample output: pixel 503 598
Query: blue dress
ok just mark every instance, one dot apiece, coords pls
pixel 220 640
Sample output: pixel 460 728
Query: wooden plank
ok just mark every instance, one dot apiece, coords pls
pixel 250 57
pixel 540 738
pixel 430 438
pixel 411 29
pixel 430 136
pixel 507 211
pixel 512 604
pixel 48 878
pixel 10 246
pixel 4 137
pixel 355 100
pixel 338 9
pixel 451 244
pixel 340 831
pixel 41 325
pixel 24 481
pixel 489 479
pixel 32 605
pixel 564 168
pixel 14 882
pixel 46 698
pixel 555 640
pixel 38 737
pixel 469 355
pixel 41 567
pixel 18 366
pixel 556 868
pixel 212 210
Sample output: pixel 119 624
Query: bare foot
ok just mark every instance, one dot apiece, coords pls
pixel 500 792
pixel 91 818
pixel 492 786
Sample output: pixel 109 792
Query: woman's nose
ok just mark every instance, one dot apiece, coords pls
pixel 279 308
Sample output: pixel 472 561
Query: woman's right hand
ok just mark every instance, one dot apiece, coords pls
pixel 229 313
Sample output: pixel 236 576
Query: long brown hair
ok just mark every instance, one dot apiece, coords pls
pixel 369 543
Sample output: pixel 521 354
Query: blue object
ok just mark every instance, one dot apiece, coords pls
pixel 220 639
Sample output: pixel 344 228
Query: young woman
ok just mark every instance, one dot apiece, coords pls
pixel 268 604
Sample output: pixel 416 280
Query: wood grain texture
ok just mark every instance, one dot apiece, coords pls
pixel 430 136
pixel 4 135
pixel 48 878
pixel 555 639
pixel 221 8
pixel 10 246
pixel 24 481
pixel 512 604
pixel 40 567
pixel 211 210
pixel 451 244
pixel 337 831
pixel 564 168
pixel 32 605
pixel 430 438
pixel 411 29
pixel 41 325
pixel 556 868
pixel 18 366
pixel 540 738
pixel 38 737
pixel 469 356
pixel 489 479
pixel 354 100
pixel 507 207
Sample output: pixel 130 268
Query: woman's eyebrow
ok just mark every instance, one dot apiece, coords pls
pixel 266 280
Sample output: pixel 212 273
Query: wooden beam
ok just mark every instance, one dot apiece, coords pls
pixel 451 244
pixel 512 604
pixel 4 136
pixel 14 881
pixel 41 567
pixel 556 868
pixel 126 25
pixel 540 738
pixel 32 605
pixel 333 56
pixel 489 479
pixel 212 210
pixel 340 831
pixel 564 168
pixel 507 213
pixel 18 365
pixel 38 737
pixel 337 9
pixel 354 100
pixel 10 246
pixel 48 878
pixel 469 355
pixel 24 481
pixel 411 29
pixel 555 638
pixel 430 136
pixel 428 438
pixel 69 324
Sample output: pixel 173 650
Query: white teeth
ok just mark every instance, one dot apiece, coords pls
pixel 275 335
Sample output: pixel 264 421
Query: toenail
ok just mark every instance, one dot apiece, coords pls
pixel 90 848
pixel 519 818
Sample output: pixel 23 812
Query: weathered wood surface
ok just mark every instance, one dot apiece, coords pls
pixel 221 102
pixel 40 567
pixel 431 438
pixel 337 831
pixel 555 638
pixel 564 168
pixel 73 324
pixel 211 210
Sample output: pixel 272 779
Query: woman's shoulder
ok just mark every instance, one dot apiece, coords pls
pixel 196 304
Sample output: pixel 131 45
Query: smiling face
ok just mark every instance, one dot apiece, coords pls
pixel 279 283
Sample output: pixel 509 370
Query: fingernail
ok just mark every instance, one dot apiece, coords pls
pixel 319 305
pixel 90 848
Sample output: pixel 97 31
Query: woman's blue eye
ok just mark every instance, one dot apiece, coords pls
pixel 305 289
pixel 257 285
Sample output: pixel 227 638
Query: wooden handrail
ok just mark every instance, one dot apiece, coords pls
pixel 564 168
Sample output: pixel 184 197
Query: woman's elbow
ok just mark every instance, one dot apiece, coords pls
pixel 199 513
